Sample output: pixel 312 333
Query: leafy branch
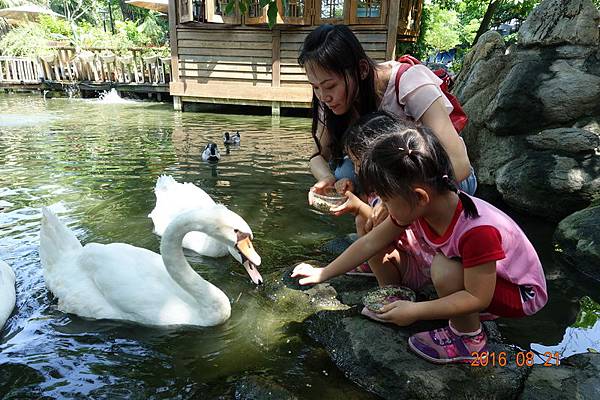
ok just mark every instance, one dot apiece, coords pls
pixel 245 5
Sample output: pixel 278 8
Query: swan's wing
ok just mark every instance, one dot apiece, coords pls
pixel 117 281
pixel 7 292
pixel 172 198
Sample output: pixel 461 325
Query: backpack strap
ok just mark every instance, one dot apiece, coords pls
pixel 402 69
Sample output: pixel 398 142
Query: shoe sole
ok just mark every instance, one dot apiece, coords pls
pixel 368 274
pixel 462 360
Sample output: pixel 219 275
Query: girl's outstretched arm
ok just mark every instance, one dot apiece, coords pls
pixel 360 251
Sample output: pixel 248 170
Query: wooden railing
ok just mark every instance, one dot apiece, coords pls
pixel 19 70
pixel 93 65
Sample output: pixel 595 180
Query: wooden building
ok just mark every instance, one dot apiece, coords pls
pixel 238 59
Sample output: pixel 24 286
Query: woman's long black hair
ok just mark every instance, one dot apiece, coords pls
pixel 336 49
pixel 400 158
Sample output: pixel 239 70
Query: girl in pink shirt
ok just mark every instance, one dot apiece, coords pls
pixel 483 261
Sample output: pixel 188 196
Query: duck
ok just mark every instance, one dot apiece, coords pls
pixel 211 153
pixel 173 198
pixel 232 138
pixel 7 292
pixel 119 281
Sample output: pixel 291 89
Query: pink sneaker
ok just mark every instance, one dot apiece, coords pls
pixel 362 270
pixel 446 345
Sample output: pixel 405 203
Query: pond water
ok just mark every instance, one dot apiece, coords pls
pixel 96 163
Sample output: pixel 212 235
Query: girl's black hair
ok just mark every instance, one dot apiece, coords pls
pixel 336 49
pixel 400 158
pixel 361 135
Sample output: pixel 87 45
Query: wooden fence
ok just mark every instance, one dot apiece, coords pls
pixel 93 65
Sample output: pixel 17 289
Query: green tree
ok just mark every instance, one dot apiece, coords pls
pixel 443 32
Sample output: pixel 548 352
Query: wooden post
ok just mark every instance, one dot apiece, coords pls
pixel 177 103
pixel 275 108
pixel 392 32
pixel 276 69
pixel 173 43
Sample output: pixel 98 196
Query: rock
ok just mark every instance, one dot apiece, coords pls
pixel 589 124
pixel 578 377
pixel 534 112
pixel 296 301
pixel 577 239
pixel 569 94
pixel 569 140
pixel 336 246
pixel 258 388
pixel 557 22
pixel 376 357
pixel 549 185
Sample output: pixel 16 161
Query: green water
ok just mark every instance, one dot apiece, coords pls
pixel 96 164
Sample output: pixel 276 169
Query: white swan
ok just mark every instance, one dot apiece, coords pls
pixel 173 198
pixel 7 292
pixel 120 281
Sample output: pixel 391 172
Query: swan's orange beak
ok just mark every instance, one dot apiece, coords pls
pixel 244 246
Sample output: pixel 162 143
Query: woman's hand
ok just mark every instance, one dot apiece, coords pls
pixel 311 274
pixel 378 215
pixel 352 205
pixel 319 187
pixel 344 185
pixel 400 312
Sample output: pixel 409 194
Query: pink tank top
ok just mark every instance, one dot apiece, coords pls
pixel 521 265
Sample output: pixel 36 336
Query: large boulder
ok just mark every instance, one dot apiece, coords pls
pixel 578 377
pixel 534 109
pixel 561 22
pixel 577 238
pixel 376 357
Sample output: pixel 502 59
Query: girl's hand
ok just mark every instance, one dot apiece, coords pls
pixel 378 215
pixel 400 312
pixel 311 274
pixel 352 205
pixel 344 185
pixel 319 187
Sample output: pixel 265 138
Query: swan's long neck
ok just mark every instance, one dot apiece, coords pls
pixel 177 265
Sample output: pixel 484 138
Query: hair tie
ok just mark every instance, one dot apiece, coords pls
pixel 450 183
pixel 408 151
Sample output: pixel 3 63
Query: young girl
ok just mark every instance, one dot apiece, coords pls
pixel 483 261
pixel 405 261
pixel 348 84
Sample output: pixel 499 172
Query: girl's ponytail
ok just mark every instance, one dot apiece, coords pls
pixel 468 205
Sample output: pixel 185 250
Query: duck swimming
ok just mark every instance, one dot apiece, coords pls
pixel 231 138
pixel 211 153
pixel 124 282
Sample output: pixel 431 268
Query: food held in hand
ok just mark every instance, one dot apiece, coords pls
pixel 379 297
pixel 324 202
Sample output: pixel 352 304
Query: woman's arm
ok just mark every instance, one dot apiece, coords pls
pixel 319 166
pixel 436 117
